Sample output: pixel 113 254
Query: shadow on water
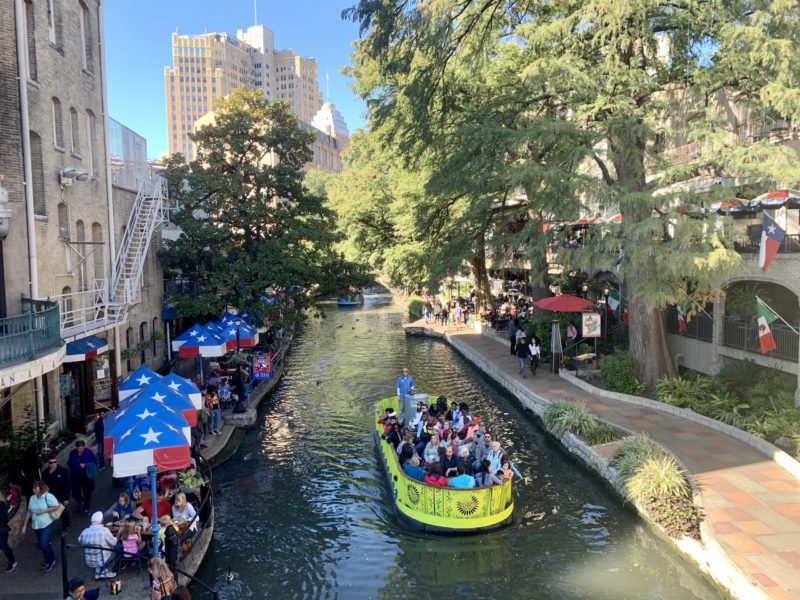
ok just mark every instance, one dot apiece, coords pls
pixel 303 510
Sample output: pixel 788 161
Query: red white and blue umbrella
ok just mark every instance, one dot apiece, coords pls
pixel 136 381
pixel 183 386
pixel 177 401
pixel 248 336
pixel 189 335
pixel 215 327
pixel 142 406
pixel 146 442
pixel 205 344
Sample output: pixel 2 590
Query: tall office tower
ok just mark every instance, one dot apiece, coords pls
pixel 211 65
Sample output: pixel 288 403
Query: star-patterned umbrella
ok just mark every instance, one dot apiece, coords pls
pixel 142 406
pixel 136 381
pixel 183 386
pixel 142 442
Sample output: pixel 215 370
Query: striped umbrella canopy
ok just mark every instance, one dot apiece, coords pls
pixel 776 199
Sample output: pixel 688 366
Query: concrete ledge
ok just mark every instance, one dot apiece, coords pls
pixel 780 457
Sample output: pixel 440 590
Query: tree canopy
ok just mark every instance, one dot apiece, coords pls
pixel 247 220
pixel 573 102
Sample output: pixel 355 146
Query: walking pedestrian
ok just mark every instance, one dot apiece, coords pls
pixel 458 314
pixel 82 471
pixel 215 420
pixel 4 531
pixel 522 356
pixel 512 336
pixel 57 479
pixel 535 354
pixel 40 506
pixel 99 436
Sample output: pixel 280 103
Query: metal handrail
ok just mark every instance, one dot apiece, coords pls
pixel 30 334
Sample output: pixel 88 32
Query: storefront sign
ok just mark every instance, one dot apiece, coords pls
pixel 592 325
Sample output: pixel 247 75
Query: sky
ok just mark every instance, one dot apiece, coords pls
pixel 138 47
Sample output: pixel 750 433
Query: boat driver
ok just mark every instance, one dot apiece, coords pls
pixel 405 383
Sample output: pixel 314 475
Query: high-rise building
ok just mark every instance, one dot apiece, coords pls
pixel 211 65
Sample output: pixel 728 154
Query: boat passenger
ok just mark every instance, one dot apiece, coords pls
pixel 417 417
pixel 463 459
pixel 485 477
pixel 394 435
pixel 449 462
pixel 454 411
pixel 428 431
pixel 405 383
pixel 507 470
pixel 413 470
pixel 408 440
pixel 463 480
pixel 435 476
pixel 422 422
pixel 431 453
pixel 495 456
pixel 480 447
pixel 473 426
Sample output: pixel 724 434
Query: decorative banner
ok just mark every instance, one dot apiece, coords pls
pixel 591 324
pixel 262 366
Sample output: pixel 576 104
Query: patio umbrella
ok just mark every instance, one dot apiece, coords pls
pixel 775 199
pixel 188 336
pixel 564 303
pixel 142 407
pixel 183 386
pixel 555 345
pixel 215 327
pixel 138 380
pixel 248 336
pixel 160 392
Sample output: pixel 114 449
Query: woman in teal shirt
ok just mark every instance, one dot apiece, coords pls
pixel 40 507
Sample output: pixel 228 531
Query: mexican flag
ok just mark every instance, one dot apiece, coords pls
pixel 682 319
pixel 765 317
pixel 613 301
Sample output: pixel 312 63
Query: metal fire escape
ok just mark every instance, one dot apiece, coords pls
pixel 147 213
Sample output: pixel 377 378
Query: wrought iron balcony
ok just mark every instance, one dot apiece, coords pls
pixel 751 244
pixel 744 336
pixel 31 334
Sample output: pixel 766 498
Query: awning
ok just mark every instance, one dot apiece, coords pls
pixel 85 348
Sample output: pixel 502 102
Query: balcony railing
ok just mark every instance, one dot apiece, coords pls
pixel 31 334
pixel 699 326
pixel 744 336
pixel 751 244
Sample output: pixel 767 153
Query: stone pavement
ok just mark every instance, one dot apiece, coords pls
pixel 751 504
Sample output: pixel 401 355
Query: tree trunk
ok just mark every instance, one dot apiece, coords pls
pixel 648 342
pixel 481 275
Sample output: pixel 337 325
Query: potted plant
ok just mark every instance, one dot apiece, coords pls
pixel 190 481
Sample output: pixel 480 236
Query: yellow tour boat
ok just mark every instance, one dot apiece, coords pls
pixel 435 509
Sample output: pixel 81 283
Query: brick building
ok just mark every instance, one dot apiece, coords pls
pixel 71 278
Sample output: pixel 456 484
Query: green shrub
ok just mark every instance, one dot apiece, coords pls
pixel 602 433
pixel 685 393
pixel 415 306
pixel 618 372
pixel 634 451
pixel 657 476
pixel 563 416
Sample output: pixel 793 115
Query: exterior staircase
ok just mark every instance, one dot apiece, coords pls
pixel 147 213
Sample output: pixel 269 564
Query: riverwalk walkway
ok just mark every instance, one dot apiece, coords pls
pixel 751 504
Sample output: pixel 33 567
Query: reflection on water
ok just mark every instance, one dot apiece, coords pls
pixel 303 511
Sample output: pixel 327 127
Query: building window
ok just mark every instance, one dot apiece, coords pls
pixel 86 38
pixel 91 127
pixel 63 221
pixel 54 23
pixel 97 247
pixel 74 131
pixel 128 344
pixel 153 336
pixel 67 315
pixel 142 340
pixel 30 40
pixel 58 124
pixel 37 171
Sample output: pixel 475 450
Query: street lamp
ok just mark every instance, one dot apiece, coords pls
pixel 239 408
pixel 585 288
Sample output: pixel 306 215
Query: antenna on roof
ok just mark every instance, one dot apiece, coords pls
pixel 327 85
pixel 255 12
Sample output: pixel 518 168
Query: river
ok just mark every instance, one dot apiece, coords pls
pixel 303 510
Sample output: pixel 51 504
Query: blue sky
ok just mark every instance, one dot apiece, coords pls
pixel 138 47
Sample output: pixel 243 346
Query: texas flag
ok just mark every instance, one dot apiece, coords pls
pixel 771 239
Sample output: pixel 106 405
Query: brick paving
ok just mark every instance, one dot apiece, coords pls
pixel 752 505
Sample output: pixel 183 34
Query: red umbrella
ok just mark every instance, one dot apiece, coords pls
pixel 564 303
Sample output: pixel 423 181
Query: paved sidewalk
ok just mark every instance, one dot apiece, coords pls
pixel 752 505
